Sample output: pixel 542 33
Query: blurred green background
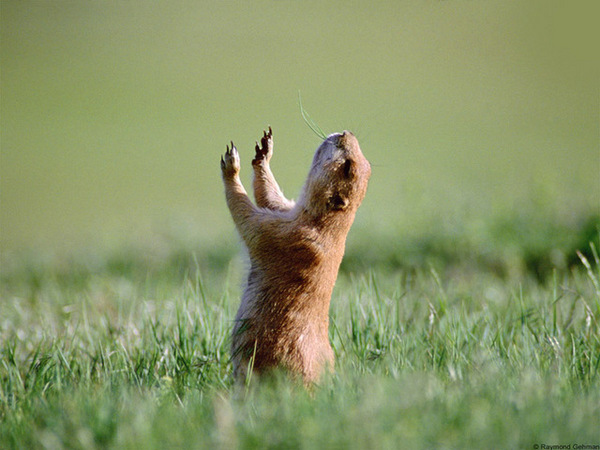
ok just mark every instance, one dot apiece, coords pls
pixel 114 114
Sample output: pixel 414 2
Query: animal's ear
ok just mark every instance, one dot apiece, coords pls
pixel 338 202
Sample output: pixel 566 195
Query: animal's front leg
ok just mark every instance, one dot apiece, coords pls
pixel 242 210
pixel 267 192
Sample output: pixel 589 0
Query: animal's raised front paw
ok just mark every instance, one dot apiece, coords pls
pixel 230 162
pixel 265 150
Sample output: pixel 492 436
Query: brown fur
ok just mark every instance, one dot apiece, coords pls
pixel 295 251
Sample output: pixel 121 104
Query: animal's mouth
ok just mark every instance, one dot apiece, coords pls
pixel 337 147
pixel 346 140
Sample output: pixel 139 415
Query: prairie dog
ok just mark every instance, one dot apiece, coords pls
pixel 295 250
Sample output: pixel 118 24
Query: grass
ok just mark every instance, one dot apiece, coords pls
pixel 128 348
pixel 463 316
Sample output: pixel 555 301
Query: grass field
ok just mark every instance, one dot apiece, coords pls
pixel 466 313
pixel 129 347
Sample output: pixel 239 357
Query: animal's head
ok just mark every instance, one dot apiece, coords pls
pixel 338 177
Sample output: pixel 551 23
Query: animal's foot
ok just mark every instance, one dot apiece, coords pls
pixel 230 162
pixel 264 151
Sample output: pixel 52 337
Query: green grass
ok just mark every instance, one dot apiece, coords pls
pixel 129 348
pixel 463 316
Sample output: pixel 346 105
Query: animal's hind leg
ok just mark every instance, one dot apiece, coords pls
pixel 267 192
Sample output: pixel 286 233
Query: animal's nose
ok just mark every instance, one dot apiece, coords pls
pixel 347 139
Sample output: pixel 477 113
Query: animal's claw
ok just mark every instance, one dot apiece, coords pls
pixel 264 150
pixel 230 162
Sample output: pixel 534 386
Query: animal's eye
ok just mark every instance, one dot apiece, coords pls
pixel 347 168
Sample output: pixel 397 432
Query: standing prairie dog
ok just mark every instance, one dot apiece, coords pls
pixel 295 251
